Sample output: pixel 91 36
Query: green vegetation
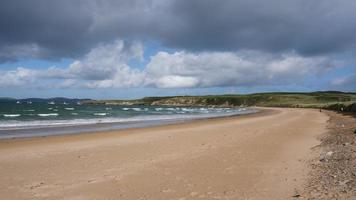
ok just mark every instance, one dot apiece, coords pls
pixel 326 100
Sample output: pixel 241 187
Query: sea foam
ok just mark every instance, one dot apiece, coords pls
pixel 48 114
pixel 12 115
pixel 100 114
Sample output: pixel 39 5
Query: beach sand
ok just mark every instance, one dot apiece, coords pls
pixel 259 156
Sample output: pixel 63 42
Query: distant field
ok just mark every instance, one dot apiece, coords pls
pixel 327 100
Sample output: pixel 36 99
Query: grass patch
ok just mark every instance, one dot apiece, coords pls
pixel 332 100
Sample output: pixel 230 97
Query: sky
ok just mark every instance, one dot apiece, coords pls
pixel 110 49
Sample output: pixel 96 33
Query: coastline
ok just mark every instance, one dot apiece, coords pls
pixel 261 155
pixel 103 128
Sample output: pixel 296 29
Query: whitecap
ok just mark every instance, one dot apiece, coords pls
pixel 136 109
pixel 29 110
pixel 74 113
pixel 69 108
pixel 100 114
pixel 126 108
pixel 48 114
pixel 12 115
pixel 13 124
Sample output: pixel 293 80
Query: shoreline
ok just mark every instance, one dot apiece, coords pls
pixel 122 127
pixel 257 156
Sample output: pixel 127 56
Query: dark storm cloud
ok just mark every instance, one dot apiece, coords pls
pixel 49 28
pixel 69 28
pixel 308 27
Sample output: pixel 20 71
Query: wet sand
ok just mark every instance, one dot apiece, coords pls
pixel 259 156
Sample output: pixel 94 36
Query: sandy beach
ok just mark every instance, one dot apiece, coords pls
pixel 259 156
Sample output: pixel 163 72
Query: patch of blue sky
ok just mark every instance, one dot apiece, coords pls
pixel 35 64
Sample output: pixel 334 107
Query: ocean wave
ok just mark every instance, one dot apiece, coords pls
pixel 11 115
pixel 29 110
pixel 187 109
pixel 47 114
pixel 69 108
pixel 135 109
pixel 76 122
pixel 100 114
pixel 17 125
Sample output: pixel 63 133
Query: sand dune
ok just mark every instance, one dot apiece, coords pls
pixel 260 156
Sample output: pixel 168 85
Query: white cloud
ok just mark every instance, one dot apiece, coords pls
pixel 106 66
pixel 106 62
pixel 245 68
pixel 175 81
pixel 18 77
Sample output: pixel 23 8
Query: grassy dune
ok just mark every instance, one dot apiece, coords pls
pixel 327 100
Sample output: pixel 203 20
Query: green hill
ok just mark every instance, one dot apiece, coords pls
pixel 327 100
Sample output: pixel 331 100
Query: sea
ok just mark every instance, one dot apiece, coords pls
pixel 35 119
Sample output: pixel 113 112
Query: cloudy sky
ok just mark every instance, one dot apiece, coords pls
pixel 108 49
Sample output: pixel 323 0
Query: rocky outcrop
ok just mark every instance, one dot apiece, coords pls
pixel 179 101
